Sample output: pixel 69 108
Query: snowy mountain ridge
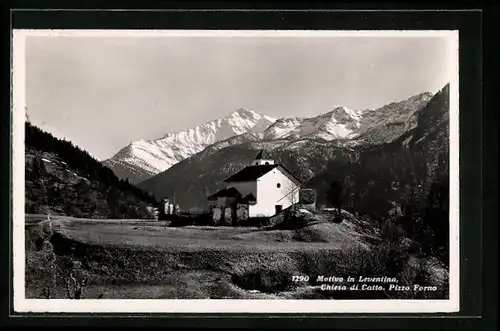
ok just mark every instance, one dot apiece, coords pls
pixel 154 156
pixel 343 123
pixel 143 158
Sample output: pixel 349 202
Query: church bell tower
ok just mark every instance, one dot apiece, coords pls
pixel 261 159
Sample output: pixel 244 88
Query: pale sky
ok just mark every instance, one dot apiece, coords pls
pixel 104 92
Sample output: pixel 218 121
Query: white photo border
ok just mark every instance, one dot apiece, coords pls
pixel 23 305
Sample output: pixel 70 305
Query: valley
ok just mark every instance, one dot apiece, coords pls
pixel 418 155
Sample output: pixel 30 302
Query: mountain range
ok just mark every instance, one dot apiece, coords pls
pixel 376 153
pixel 384 159
pixel 143 159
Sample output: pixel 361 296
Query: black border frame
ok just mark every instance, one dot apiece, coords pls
pixel 477 182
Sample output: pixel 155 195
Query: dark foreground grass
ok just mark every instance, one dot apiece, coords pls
pixel 152 262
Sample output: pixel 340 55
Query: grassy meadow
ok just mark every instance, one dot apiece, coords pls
pixel 137 259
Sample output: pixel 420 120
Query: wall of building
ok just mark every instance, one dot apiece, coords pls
pixel 269 194
pixel 262 162
pixel 168 207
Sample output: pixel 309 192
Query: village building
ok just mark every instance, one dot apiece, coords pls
pixel 262 189
pixel 169 207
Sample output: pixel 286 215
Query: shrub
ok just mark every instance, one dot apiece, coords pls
pixel 41 271
pixel 393 256
pixel 187 219
pixel 337 219
pixel 307 196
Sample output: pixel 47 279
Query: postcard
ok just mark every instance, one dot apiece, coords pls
pixel 221 171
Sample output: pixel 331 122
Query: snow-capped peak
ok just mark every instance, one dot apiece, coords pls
pixel 245 113
pixel 342 111
pixel 158 155
pixel 335 124
pixel 344 123
pixel 339 123
pixel 270 119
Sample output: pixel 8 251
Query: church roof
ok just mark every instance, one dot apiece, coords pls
pixel 251 173
pixel 254 172
pixel 233 193
pixel 249 198
pixel 225 192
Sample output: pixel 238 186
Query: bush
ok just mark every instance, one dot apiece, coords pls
pixel 307 196
pixel 100 194
pixel 337 219
pixel 393 256
pixel 391 231
pixel 256 221
pixel 41 271
pixel 264 280
pixel 54 277
pixel 187 219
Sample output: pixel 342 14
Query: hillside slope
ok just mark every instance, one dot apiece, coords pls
pixel 392 174
pixel 62 179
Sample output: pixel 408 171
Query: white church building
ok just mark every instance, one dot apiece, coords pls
pixel 264 187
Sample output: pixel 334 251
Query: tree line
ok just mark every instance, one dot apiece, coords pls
pixel 98 192
pixel 389 185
